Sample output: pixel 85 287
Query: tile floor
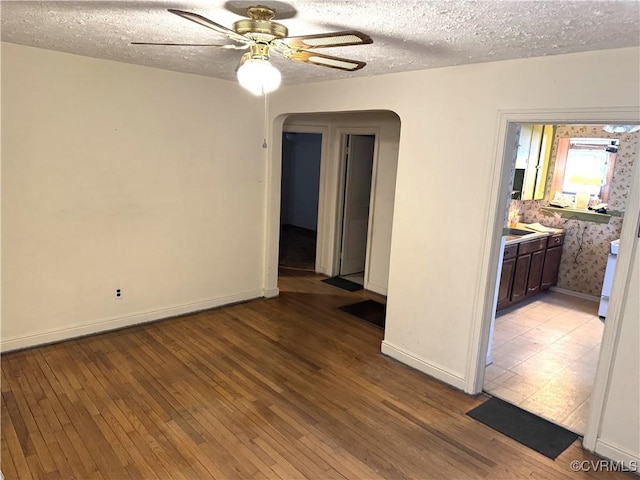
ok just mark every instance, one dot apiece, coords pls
pixel 544 357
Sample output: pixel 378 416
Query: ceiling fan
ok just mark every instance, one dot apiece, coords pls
pixel 261 36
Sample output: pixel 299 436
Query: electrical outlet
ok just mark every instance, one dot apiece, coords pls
pixel 118 293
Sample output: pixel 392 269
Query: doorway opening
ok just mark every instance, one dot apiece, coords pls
pixel 544 340
pixel 356 198
pixel 384 127
pixel 300 190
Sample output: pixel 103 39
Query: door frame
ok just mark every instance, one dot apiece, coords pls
pixel 343 133
pixel 487 281
pixel 321 226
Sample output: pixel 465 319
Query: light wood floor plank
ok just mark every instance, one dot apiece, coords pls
pixel 279 389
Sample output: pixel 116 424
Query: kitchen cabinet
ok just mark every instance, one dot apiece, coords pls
pixel 535 273
pixel 519 288
pixel 525 141
pixel 528 268
pixel 552 262
pixel 544 158
pixel 506 277
pixel 532 161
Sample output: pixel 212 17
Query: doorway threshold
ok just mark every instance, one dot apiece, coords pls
pixel 355 278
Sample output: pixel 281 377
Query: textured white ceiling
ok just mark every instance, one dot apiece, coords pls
pixel 407 34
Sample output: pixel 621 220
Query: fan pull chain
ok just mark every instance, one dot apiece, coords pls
pixel 264 142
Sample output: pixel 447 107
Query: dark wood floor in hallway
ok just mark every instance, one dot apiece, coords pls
pixel 283 388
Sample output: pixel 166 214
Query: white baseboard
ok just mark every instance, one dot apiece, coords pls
pixel 73 331
pixel 379 289
pixel 564 291
pixel 271 292
pixel 424 366
pixel 617 454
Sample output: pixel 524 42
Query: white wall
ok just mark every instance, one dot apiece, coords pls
pixel 386 126
pixel 620 428
pixel 443 202
pixel 120 176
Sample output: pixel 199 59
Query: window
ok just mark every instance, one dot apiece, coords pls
pixel 584 165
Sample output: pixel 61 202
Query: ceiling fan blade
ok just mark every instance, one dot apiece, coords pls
pixel 205 22
pixel 324 40
pixel 232 47
pixel 325 60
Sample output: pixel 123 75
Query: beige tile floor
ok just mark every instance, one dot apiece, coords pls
pixel 544 357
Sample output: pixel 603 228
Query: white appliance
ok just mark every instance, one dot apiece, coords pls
pixel 608 278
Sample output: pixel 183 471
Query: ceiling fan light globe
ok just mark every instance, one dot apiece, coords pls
pixel 259 76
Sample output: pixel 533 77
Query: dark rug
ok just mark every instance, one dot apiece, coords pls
pixel 369 310
pixel 342 283
pixel 536 433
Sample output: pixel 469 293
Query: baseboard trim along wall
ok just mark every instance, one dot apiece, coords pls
pixel 379 289
pixel 616 454
pixel 271 292
pixel 52 336
pixel 422 365
pixel 575 294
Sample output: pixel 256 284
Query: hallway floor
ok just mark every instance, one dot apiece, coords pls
pixel 544 357
pixel 297 248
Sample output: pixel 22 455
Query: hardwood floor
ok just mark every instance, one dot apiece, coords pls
pixel 282 388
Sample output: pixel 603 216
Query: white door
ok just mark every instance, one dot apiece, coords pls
pixel 355 223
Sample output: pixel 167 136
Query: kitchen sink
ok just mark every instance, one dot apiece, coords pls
pixel 516 231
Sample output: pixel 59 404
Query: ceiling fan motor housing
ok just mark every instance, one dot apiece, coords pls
pixel 260 23
pixel 258 51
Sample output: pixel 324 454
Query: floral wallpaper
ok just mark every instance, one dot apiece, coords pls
pixel 586 245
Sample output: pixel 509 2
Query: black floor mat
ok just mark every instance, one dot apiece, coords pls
pixel 536 433
pixel 369 310
pixel 342 283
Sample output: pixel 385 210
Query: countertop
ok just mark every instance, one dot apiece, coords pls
pixel 514 239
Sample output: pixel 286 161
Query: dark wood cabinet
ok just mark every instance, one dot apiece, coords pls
pixel 552 262
pixel 520 277
pixel 506 277
pixel 528 268
pixel 535 273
